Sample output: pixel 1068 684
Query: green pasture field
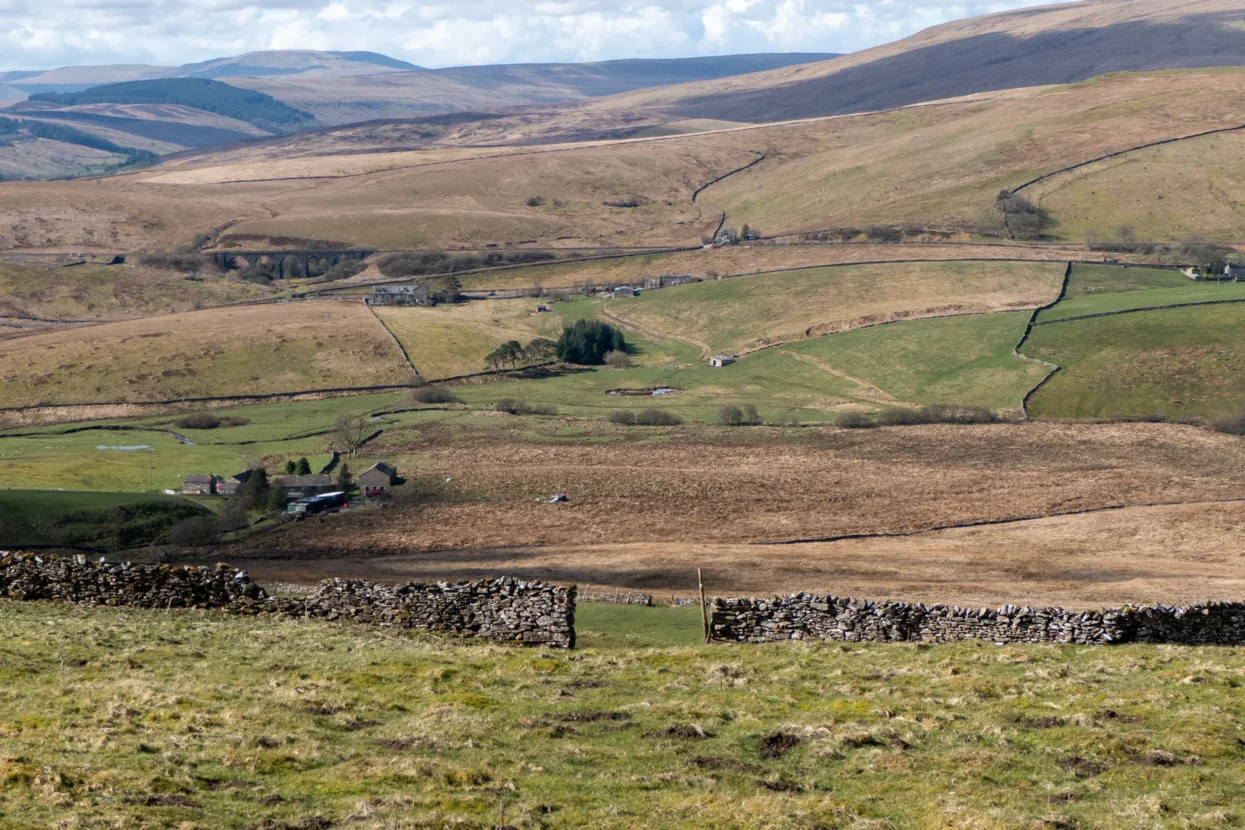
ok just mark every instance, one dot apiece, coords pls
pixel 965 360
pixel 117 717
pixel 109 520
pixel 52 457
pixel 742 313
pixel 1099 289
pixel 1177 363
pixel 947 360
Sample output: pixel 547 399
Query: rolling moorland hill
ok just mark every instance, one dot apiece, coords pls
pixel 941 167
pixel 1028 47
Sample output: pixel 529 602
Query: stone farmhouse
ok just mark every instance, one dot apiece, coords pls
pixel 377 479
pixel 400 295
pixel 200 485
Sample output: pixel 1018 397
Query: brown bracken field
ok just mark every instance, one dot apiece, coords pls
pixel 646 512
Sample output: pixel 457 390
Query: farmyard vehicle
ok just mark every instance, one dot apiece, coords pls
pixel 314 505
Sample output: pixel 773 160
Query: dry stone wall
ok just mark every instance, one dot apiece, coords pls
pixel 502 610
pixel 810 617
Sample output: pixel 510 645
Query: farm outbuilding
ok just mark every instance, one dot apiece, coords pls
pixel 229 486
pixel 625 291
pixel 377 479
pixel 301 487
pixel 1233 271
pixel 720 360
pixel 668 281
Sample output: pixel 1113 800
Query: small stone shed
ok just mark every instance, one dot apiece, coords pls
pixel 720 360
pixel 377 479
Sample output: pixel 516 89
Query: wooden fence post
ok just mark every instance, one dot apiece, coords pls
pixel 704 610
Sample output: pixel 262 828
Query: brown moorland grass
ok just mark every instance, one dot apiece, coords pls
pixel 938 166
pixel 1135 190
pixel 943 166
pixel 111 292
pixel 229 351
pixel 675 486
pixel 450 340
pixel 747 313
pixel 1139 555
pixel 736 260
pixel 476 202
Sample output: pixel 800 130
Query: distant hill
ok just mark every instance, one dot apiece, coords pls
pixel 1029 47
pixel 342 100
pixel 169 109
pixel 256 108
pixel 294 62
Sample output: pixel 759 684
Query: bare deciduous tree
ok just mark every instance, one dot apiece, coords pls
pixel 350 432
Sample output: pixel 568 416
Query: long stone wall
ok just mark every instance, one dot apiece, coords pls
pixel 810 617
pixel 502 610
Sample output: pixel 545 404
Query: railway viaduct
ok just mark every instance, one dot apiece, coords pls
pixel 289 264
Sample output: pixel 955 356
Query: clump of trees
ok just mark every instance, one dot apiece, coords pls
pixel 434 394
pixel 513 407
pixel 644 418
pixel 206 420
pixel 744 415
pixel 301 467
pixel 941 413
pixel 587 342
pixel 1232 424
pixel 1024 219
pixel 513 354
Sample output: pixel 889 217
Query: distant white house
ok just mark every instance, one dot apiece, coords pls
pixel 720 360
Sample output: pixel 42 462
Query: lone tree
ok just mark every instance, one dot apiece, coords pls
pixel 350 432
pixel 344 477
pixel 587 342
pixel 291 468
pixel 303 468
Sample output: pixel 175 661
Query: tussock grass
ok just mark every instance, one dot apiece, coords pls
pixel 113 717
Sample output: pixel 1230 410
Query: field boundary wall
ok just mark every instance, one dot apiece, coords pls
pixel 502 610
pixel 841 619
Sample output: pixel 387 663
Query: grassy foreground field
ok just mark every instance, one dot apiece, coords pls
pixel 197 720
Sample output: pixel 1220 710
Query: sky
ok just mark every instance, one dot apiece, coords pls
pixel 43 34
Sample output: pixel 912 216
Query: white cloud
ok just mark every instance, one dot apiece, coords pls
pixel 66 32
